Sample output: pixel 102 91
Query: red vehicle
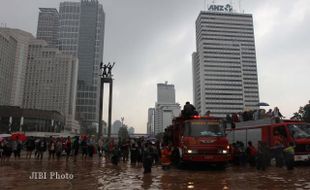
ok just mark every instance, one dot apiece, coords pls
pixel 263 130
pixel 199 139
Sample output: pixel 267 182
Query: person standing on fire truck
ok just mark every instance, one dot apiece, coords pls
pixel 277 115
pixel 189 110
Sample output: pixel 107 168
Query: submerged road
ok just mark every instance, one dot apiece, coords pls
pixel 94 174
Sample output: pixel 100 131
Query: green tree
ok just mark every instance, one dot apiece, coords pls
pixel 298 115
pixel 306 112
pixel 303 113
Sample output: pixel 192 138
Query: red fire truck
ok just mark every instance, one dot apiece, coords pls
pixel 263 130
pixel 199 139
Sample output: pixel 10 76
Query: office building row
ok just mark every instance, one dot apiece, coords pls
pixel 37 76
pixel 58 70
pixel 78 30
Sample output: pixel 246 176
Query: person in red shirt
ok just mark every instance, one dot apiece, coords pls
pixel 251 154
pixel 165 157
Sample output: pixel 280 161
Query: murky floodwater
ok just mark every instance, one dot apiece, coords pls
pixel 101 175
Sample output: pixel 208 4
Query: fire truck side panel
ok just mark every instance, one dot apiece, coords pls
pixel 245 135
pixel 264 131
pixel 266 135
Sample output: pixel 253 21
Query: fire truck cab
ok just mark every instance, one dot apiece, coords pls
pixel 199 139
pixel 263 130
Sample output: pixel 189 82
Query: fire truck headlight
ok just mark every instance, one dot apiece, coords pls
pixel 189 151
pixel 223 151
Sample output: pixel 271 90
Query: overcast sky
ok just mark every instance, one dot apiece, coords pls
pixel 151 41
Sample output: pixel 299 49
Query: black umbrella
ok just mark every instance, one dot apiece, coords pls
pixel 262 104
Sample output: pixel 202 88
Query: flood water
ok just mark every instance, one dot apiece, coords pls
pixel 94 174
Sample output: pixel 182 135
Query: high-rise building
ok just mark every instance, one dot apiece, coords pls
pixel 69 24
pixel 150 122
pixel 7 60
pixel 104 126
pixel 165 109
pixel 165 93
pixel 81 33
pixel 131 130
pixel 48 26
pixel 51 81
pixel 18 49
pixel 116 126
pixel 224 64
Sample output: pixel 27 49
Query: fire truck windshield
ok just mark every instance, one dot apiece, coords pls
pixel 197 128
pixel 300 130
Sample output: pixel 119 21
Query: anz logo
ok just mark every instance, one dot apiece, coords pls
pixel 227 8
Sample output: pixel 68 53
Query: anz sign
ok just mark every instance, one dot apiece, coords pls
pixel 226 8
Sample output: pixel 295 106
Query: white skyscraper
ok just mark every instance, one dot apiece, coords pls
pixel 7 60
pixel 51 81
pixel 150 121
pixel 224 64
pixel 165 109
pixel 18 55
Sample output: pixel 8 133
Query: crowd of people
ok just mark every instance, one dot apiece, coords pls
pixel 249 115
pixel 138 151
pixel 149 152
pixel 261 156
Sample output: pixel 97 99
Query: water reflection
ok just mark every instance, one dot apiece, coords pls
pixel 190 185
pixel 146 181
pixel 94 174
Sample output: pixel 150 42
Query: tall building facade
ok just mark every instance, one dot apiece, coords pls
pixel 117 124
pixel 69 24
pixel 150 122
pixel 165 109
pixel 131 130
pixel 48 26
pixel 18 50
pixel 7 60
pixel 81 34
pixel 165 93
pixel 51 81
pixel 224 65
